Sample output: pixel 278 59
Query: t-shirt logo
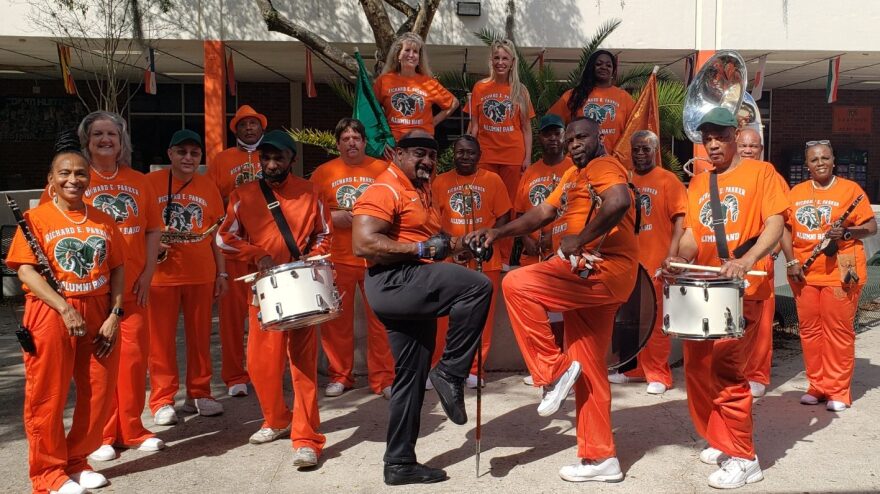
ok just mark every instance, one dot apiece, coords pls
pixel 464 204
pixel 78 257
pixel 247 176
pixel 183 219
pixel 810 216
pixel 563 204
pixel 645 203
pixel 729 208
pixel 407 103
pixel 347 195
pixel 116 206
pixel 495 110
pixel 599 112
pixel 538 194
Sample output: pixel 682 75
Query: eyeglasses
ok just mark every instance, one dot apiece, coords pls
pixel 824 142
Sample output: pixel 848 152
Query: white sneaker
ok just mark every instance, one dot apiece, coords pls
pixel 618 378
pixel 736 472
pixel 267 435
pixel 104 453
pixel 712 456
pixel 808 399
pixel 89 479
pixel 334 389
pixel 151 444
pixel 471 382
pixel 758 389
pixel 607 470
pixel 656 388
pixel 206 407
pixel 305 457
pixel 69 487
pixel 554 394
pixel 165 416
pixel 386 392
pixel 835 406
pixel 528 381
pixel 429 384
pixel 238 390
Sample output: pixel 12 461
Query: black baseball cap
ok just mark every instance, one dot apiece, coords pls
pixel 184 135
pixel 278 139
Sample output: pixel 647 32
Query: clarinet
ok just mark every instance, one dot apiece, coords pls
pixel 43 266
pixel 821 246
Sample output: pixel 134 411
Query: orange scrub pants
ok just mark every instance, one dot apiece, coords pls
pixel 233 313
pixel 269 352
pixel 719 397
pixel 588 313
pixel 124 425
pixel 443 327
pixel 164 308
pixel 510 175
pixel 653 360
pixel 52 457
pixel 761 354
pixel 337 336
pixel 827 317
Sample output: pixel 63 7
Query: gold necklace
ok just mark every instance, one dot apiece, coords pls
pixel 80 222
pixel 818 187
pixel 111 177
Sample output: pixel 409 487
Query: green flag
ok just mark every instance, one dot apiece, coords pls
pixel 369 112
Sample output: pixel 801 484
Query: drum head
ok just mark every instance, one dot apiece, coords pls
pixel 633 322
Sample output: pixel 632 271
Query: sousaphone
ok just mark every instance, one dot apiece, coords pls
pixel 721 82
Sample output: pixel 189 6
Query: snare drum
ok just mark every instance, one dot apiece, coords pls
pixel 296 295
pixel 703 306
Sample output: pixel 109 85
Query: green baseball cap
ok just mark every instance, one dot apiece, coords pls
pixel 718 116
pixel 184 135
pixel 278 139
pixel 551 120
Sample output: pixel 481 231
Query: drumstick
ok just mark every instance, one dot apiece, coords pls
pixel 712 269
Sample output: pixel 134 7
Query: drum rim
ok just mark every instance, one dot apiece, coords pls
pixel 289 266
pixel 682 280
pixel 319 315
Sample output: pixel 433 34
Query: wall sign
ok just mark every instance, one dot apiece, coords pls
pixel 851 119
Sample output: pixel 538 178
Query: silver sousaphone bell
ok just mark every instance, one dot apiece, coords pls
pixel 720 82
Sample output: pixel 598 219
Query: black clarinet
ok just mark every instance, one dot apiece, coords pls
pixel 43 266
pixel 825 245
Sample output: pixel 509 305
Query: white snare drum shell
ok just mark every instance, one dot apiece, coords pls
pixel 703 309
pixel 296 295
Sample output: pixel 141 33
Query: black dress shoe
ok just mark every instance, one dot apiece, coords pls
pixel 451 392
pixel 412 473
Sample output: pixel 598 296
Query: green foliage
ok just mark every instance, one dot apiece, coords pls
pixel 344 90
pixel 444 161
pixel 592 45
pixel 323 139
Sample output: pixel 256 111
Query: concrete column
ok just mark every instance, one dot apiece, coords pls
pixel 215 98
pixel 296 122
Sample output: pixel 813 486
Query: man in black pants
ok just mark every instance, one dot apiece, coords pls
pixel 397 231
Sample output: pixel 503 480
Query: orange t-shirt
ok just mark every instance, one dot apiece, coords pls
pixel 407 101
pixel 662 198
pixel 499 121
pixel 813 212
pixel 393 198
pixel 489 197
pixel 749 194
pixel 536 184
pixel 234 167
pixel 620 249
pixel 339 186
pixel 610 106
pixel 250 233
pixel 194 207
pixel 81 256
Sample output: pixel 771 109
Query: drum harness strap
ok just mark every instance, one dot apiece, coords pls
pixel 718 218
pixel 280 221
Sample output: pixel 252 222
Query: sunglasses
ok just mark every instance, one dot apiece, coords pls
pixel 824 142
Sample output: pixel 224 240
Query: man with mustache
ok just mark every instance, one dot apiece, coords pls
pixel 397 231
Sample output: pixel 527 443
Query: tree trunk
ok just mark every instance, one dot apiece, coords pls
pixel 381 26
pixel 422 23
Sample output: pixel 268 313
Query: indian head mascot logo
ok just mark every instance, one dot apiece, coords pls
pixel 347 195
pixel 729 209
pixel 497 111
pixel 78 257
pixel 117 206
pixel 538 194
pixel 645 203
pixel 599 112
pixel 463 205
pixel 407 103
pixel 810 216
pixel 183 219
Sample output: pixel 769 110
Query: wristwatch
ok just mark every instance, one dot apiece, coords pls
pixel 117 311
pixel 847 235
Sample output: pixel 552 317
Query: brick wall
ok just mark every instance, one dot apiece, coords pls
pixel 803 115
pixel 269 98
pixel 321 113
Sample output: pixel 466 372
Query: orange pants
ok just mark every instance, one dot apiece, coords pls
pixel 510 175
pixel 443 327
pixel 233 313
pixel 165 305
pixel 719 397
pixel 653 360
pixel 269 352
pixel 60 357
pixel 761 353
pixel 124 424
pixel 337 336
pixel 826 316
pixel 588 313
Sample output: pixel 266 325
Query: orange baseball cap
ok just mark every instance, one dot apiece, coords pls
pixel 245 111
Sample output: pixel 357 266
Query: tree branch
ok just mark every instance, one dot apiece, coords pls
pixel 402 7
pixel 380 24
pixel 422 24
